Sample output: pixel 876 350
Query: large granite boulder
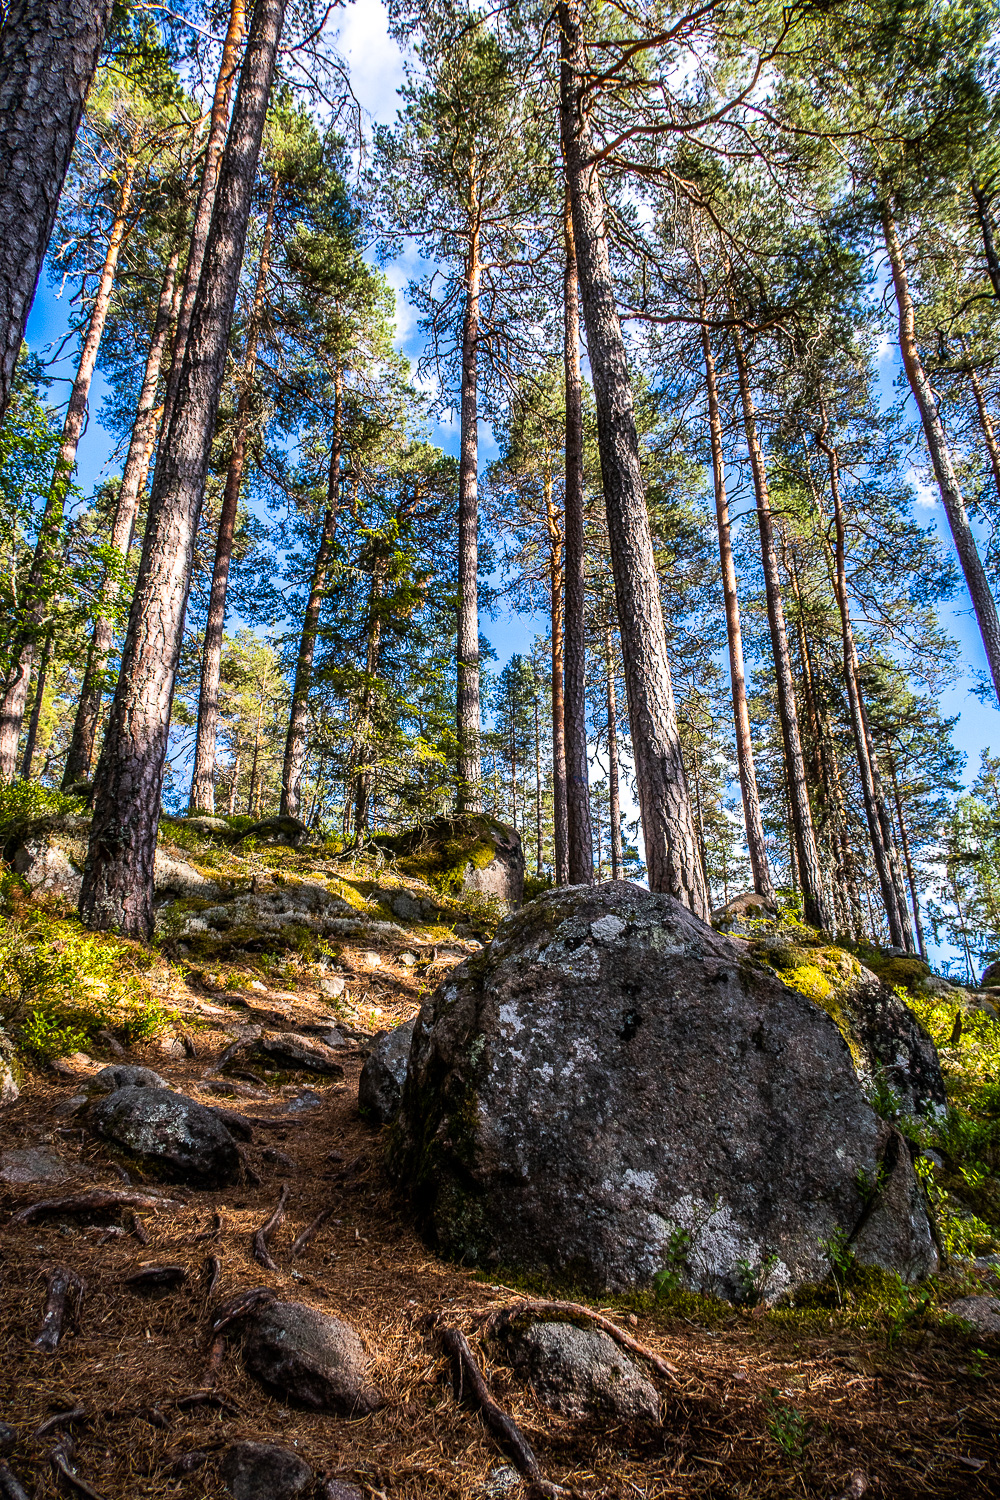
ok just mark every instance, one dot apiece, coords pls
pixel 613 1090
pixel 310 1356
pixel 470 854
pixel 169 1134
pixel 380 1086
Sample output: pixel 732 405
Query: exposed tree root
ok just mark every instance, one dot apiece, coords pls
pixel 302 1240
pixel 262 1236
pixel 61 1459
pixel 149 1277
pixel 104 1201
pixel 63 1284
pixel 496 1321
pixel 239 1305
pixel 10 1486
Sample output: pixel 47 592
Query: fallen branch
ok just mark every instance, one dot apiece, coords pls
pixel 301 1241
pixel 532 1307
pixel 60 1419
pixel 101 1202
pixel 262 1236
pixel 156 1276
pixel 500 1423
pixel 235 1049
pixel 213 1265
pixel 63 1284
pixel 61 1458
pixel 10 1486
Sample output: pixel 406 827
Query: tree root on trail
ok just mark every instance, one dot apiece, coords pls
pixel 239 1305
pixel 63 1283
pixel 61 1459
pixel 213 1265
pixel 104 1201
pixel 501 1423
pixel 61 1419
pixel 10 1486
pixel 151 1277
pixel 302 1240
pixel 262 1236
pixel 494 1321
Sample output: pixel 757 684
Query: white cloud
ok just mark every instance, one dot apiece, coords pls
pixel 375 61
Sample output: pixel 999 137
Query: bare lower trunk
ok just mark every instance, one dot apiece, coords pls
pixel 987 428
pixel 234 783
pixel 982 203
pixel 668 827
pixel 47 550
pixel 202 797
pixel 36 709
pixel 214 147
pixel 806 854
pixel 363 737
pixel 298 718
pixel 118 877
pixel 48 54
pixel 614 795
pixel 893 899
pixel 944 470
pixel 80 757
pixel 559 810
pixel 467 646
pixel 762 882
pixel 579 868
pixel 910 872
pixel 538 790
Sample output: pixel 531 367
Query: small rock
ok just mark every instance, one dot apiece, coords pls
pixel 255 984
pixel 336 1489
pixel 932 1156
pixel 372 959
pixel 32 1165
pixel 332 985
pixel 127 1076
pixel 582 1372
pixel 264 1471
pixel 172 1135
pixel 306 1100
pixel 380 1087
pixel 8 1083
pixel 73 1064
pixel 172 1046
pixel 71 1105
pixel 407 960
pixel 503 1480
pixel 287 1049
pixel 333 1038
pixel 310 1356
pixel 112 1043
pixel 982 1312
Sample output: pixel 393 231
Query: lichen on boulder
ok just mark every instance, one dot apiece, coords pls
pixel 612 1090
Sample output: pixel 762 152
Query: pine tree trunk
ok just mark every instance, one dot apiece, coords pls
pixel 893 898
pixel 756 845
pixel 202 797
pixel 556 610
pixel 806 856
pixel 614 796
pixel 118 877
pixel 538 791
pixel 579 867
pixel 36 709
pixel 467 647
pixel 234 784
pixel 362 740
pixel 910 872
pixel 298 718
pixel 48 54
pixel 668 827
pixel 46 547
pixel 214 147
pixel 988 430
pixel 951 495
pixel 986 227
pixel 80 756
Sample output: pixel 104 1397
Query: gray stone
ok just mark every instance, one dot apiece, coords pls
pixel 742 913
pixel 332 985
pixel 9 1090
pixel 501 1480
pixel 287 1049
pixel 890 1044
pixel 384 1073
pixel 207 825
pixel 581 1372
pixel 33 1164
pixel 126 1076
pixel 176 877
pixel 982 1312
pixel 171 1135
pixel 264 1471
pixel 336 1489
pixel 309 1355
pixel 407 960
pixel 612 1090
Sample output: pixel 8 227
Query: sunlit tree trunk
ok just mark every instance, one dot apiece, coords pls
pixel 671 843
pixel 467 646
pixel 31 738
pixel 910 872
pixel 556 616
pixel 614 794
pixel 118 876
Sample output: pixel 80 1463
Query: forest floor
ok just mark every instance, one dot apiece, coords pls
pixel 825 1401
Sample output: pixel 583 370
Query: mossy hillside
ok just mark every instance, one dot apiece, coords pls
pixel 441 853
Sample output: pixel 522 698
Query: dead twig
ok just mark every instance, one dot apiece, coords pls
pixel 534 1306
pixel 213 1265
pixel 501 1424
pixel 63 1283
pixel 239 1305
pixel 262 1236
pixel 102 1202
pixel 61 1459
pixel 302 1240
pixel 10 1486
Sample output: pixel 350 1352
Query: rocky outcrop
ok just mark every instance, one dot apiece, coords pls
pixel 170 1135
pixel 50 854
pixel 310 1356
pixel 581 1372
pixel 613 1090
pixel 384 1073
pixel 126 1076
pixel 462 856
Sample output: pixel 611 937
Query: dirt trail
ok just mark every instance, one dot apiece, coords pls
pixel 768 1406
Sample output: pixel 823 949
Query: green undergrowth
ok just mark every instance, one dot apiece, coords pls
pixel 60 984
pixel 23 803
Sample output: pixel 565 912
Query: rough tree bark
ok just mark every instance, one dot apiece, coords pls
pixel 118 877
pixel 614 796
pixel 48 54
pixel 31 739
pixel 889 876
pixel 46 547
pixel 762 882
pixel 671 843
pixel 944 470
pixel 559 810
pixel 807 856
pixel 467 707
pixel 907 856
pixel 986 425
pixel 298 718
pixel 203 779
pixel 579 869
pixel 80 757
